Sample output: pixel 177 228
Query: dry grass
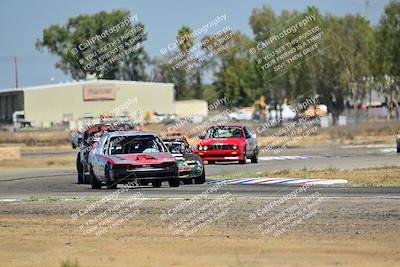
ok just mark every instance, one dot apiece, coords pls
pixel 365 133
pixel 363 236
pixel 41 149
pixel 10 153
pixel 36 138
pixel 381 176
pixel 47 162
pixel 362 134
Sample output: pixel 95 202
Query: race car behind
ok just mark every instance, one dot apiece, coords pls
pixel 190 165
pixel 233 142
pixel 87 141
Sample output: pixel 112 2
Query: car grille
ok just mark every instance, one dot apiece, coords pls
pixel 221 147
pixel 165 165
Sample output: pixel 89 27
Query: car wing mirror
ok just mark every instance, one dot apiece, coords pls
pixel 202 136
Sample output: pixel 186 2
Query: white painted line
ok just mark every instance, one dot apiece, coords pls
pixel 329 182
pixel 389 150
pixel 367 146
pixel 8 199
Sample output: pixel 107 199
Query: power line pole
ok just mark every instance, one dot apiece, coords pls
pixel 16 73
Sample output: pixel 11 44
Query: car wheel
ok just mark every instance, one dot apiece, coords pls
pixel 254 158
pixel 110 184
pixel 79 168
pixel 211 162
pixel 200 179
pixel 187 181
pixel 95 184
pixel 86 178
pixel 244 157
pixel 174 182
pixel 156 183
pixel 244 160
pixel 143 183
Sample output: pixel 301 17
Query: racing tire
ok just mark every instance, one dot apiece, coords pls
pixel 95 184
pixel 143 183
pixel 254 158
pixel 86 178
pixel 200 179
pixel 79 169
pixel 187 181
pixel 156 184
pixel 243 161
pixel 174 183
pixel 110 184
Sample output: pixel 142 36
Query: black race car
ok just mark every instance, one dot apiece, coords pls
pixel 87 140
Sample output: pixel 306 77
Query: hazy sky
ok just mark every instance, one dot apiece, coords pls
pixel 23 22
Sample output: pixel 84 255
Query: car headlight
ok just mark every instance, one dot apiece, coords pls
pixel 205 147
pixel 235 147
pixel 200 148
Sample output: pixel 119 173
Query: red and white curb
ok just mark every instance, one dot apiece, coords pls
pixel 281 181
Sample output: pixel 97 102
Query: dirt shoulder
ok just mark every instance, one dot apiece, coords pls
pixel 349 232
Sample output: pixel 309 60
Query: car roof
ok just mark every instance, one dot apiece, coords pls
pixel 95 127
pixel 173 138
pixel 229 125
pixel 129 133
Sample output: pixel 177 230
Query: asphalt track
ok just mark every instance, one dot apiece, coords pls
pixel 25 183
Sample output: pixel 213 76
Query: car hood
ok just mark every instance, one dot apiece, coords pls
pixel 153 158
pixel 225 141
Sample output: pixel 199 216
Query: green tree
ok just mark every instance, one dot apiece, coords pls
pixel 387 64
pixel 354 45
pixel 185 41
pixel 262 21
pixel 235 75
pixel 62 40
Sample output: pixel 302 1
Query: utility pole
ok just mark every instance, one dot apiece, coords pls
pixel 16 73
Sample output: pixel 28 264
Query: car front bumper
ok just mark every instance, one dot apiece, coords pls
pixel 150 174
pixel 220 155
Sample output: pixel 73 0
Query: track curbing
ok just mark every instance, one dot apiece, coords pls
pixel 280 181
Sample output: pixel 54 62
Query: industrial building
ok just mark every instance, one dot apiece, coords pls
pixel 48 105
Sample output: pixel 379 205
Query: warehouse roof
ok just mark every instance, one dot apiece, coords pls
pixel 82 83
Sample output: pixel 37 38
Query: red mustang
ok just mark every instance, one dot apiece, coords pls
pixel 228 143
pixel 120 157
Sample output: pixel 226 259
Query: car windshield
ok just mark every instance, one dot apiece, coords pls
pixel 175 147
pixel 135 145
pixel 224 132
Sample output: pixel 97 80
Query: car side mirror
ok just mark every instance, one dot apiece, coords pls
pixel 202 136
